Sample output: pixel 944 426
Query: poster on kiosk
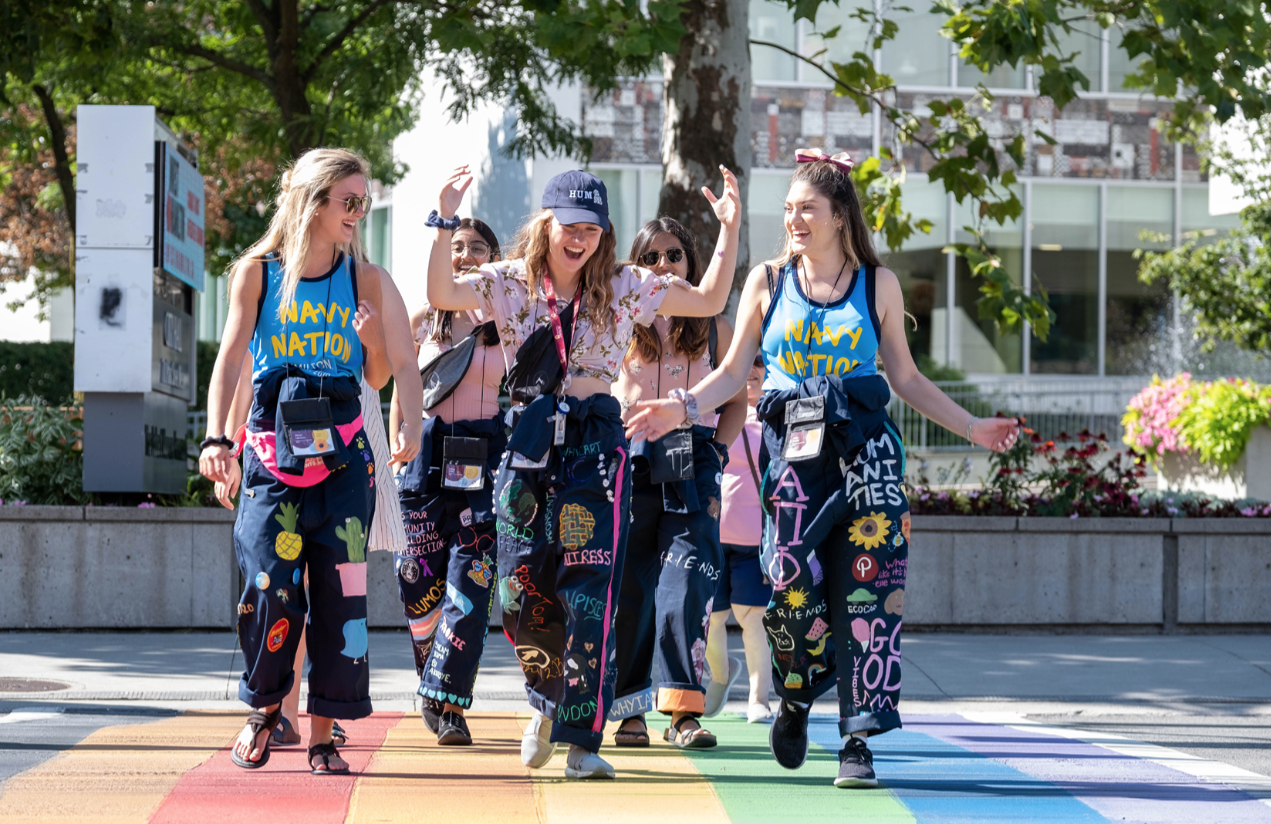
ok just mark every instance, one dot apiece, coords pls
pixel 138 274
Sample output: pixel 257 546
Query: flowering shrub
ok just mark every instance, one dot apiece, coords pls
pixel 1212 419
pixel 1072 481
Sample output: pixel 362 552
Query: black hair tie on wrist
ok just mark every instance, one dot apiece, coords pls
pixel 217 441
pixel 436 221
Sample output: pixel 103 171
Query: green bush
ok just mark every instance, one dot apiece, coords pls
pixel 45 370
pixel 1218 423
pixel 41 459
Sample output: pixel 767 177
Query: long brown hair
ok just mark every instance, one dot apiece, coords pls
pixel 834 184
pixel 597 274
pixel 446 317
pixel 688 336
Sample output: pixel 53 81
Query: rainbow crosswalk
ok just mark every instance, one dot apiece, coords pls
pixel 947 768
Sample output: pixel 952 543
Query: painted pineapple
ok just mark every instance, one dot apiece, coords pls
pixel 355 538
pixel 288 543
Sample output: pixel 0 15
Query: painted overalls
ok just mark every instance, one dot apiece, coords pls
pixel 297 513
pixel 672 563
pixel 836 526
pixel 449 570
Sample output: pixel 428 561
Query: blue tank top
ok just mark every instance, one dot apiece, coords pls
pixel 801 339
pixel 316 336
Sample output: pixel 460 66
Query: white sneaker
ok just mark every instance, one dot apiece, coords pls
pixel 536 745
pixel 582 764
pixel 717 691
pixel 758 714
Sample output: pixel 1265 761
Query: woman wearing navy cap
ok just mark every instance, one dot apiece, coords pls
pixel 836 521
pixel 565 311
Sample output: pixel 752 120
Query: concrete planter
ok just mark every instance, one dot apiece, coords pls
pixel 103 568
pixel 1249 477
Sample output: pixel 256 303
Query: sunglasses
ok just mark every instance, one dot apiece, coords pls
pixel 651 257
pixel 353 205
pixel 475 249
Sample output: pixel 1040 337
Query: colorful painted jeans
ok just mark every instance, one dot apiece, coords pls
pixel 281 531
pixel 669 575
pixel 561 535
pixel 838 598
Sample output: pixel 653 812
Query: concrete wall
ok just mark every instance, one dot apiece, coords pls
pixel 98 568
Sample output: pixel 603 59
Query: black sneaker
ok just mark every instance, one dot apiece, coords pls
pixel 453 731
pixel 856 765
pixel 788 738
pixel 431 713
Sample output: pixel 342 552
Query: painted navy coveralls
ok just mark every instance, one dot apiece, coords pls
pixel 671 570
pixel 448 573
pixel 836 526
pixel 297 514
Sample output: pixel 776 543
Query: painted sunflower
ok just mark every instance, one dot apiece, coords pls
pixel 869 532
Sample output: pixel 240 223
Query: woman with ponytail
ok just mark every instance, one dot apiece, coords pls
pixel 836 521
pixel 564 311
pixel 308 312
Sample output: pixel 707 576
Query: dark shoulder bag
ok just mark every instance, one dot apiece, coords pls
pixel 442 374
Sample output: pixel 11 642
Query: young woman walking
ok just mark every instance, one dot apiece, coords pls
pixel 447 571
pixel 836 521
pixel 565 311
pixel 673 556
pixel 310 317
pixel 743 587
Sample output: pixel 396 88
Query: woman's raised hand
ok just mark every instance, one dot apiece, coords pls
pixel 653 419
pixel 452 192
pixel 728 207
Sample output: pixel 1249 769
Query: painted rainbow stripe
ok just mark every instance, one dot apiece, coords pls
pixel 937 769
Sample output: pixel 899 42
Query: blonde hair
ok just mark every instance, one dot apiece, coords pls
pixel 597 275
pixel 302 189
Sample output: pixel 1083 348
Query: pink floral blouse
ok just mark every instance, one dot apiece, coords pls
pixel 503 296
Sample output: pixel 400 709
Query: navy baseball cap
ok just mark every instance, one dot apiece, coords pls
pixel 577 197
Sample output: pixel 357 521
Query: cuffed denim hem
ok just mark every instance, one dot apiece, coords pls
pixel 681 698
pixel 632 704
pixel 257 700
pixel 803 695
pixel 585 738
pixel 343 710
pixel 874 723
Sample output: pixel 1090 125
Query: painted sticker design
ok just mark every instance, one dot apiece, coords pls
pixel 458 598
pixel 288 544
pixel 277 634
pixel 409 570
pixel 354 638
pixel 864 568
pixel 262 580
pixel 576 526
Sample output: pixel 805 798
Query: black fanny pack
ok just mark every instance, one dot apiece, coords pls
pixel 536 371
pixel 307 431
pixel 463 463
pixel 442 374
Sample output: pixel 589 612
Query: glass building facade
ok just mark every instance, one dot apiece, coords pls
pixel 1109 186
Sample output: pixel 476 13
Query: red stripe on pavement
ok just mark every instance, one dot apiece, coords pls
pixel 282 790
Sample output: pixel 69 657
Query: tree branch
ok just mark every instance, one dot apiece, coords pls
pixel 342 35
pixel 218 59
pixel 62 160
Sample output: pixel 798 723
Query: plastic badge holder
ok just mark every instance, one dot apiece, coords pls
pixel 309 427
pixel 463 463
pixel 805 429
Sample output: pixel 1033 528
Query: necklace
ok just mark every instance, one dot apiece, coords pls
pixel 823 306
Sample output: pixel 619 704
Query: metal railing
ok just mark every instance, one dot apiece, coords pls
pixel 1052 407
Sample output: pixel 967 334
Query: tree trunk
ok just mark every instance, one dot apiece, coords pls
pixel 707 102
pixel 62 160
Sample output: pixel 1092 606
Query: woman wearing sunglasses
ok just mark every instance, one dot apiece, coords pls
pixel 448 568
pixel 310 317
pixel 673 555
pixel 565 310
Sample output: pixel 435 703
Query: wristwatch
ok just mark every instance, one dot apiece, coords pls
pixel 690 404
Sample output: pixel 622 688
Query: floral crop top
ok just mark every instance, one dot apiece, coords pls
pixel 502 294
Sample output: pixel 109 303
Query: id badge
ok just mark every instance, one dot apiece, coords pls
pixel 803 441
pixel 519 461
pixel 463 463
pixel 558 422
pixel 310 443
pixel 308 427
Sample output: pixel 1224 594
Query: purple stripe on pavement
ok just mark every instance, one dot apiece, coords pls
pixel 1118 786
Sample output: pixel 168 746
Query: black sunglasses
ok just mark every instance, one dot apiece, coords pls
pixel 651 257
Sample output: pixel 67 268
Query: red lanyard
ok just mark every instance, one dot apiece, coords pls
pixel 561 354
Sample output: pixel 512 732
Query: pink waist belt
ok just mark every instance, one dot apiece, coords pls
pixel 266 447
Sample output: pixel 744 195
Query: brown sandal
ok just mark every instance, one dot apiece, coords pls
pixel 259 721
pixel 632 738
pixel 325 751
pixel 698 739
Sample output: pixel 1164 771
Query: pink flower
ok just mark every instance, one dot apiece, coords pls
pixel 146 505
pixel 1150 416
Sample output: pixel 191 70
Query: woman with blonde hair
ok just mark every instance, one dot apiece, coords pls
pixel 564 310
pixel 309 315
pixel 836 521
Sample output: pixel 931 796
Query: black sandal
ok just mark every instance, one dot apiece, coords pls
pixel 689 739
pixel 632 738
pixel 258 721
pixel 338 735
pixel 326 751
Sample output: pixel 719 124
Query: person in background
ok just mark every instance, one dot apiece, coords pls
pixel 743 585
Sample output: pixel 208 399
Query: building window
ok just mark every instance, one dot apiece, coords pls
pixel 1086 42
pixel 853 36
pixel 919 55
pixel 1065 250
pixel 379 236
pixel 774 23
pixel 923 271
pixel 1195 221
pixel 767 214
pixel 1139 316
pixel 624 207
pixel 978 346
pixel 1120 64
